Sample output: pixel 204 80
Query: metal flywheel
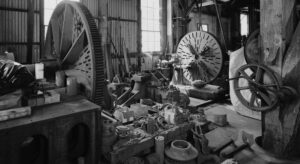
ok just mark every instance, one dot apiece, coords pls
pixel 256 87
pixel 74 42
pixel 201 56
pixel 252 48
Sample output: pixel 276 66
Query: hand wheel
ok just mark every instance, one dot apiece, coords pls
pixel 260 83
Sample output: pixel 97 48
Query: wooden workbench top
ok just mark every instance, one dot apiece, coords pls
pixel 46 112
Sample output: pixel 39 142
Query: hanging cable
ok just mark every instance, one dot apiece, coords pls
pixel 220 23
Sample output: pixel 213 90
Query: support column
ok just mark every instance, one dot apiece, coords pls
pixel 276 29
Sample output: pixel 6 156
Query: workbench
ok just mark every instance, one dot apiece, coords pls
pixel 123 153
pixel 52 124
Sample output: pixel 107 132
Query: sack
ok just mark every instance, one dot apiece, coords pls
pixel 237 59
pixel 13 76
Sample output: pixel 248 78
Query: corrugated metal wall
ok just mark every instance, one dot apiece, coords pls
pixel 123 23
pixel 14 27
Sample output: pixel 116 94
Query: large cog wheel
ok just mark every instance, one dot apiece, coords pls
pixel 74 41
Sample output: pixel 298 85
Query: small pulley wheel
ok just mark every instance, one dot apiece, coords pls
pixel 256 87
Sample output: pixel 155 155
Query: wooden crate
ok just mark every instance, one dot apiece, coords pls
pixel 51 126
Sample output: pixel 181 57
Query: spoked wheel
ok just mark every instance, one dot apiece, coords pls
pixel 201 54
pixel 252 49
pixel 74 41
pixel 260 83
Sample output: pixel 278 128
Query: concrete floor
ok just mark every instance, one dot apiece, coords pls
pixel 236 121
pixel 237 124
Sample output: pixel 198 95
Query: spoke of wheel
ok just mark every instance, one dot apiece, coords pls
pixel 252 99
pixel 252 75
pixel 242 88
pixel 245 75
pixel 56 35
pixel 192 50
pixel 258 74
pixel 265 97
pixel 270 87
pixel 74 52
pixel 66 35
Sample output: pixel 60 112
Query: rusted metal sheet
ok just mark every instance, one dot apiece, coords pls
pixel 93 6
pixel 19 51
pixel 14 27
pixel 18 4
pixel 123 30
pixel 123 8
pixel 123 23
pixel 36 30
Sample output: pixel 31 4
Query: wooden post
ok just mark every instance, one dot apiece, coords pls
pixel 42 29
pixel 169 26
pixel 30 30
pixel 253 15
pixel 163 24
pixel 179 20
pixel 139 33
pixel 280 125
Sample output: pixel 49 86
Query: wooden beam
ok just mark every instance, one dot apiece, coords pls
pixel 30 30
pixel 17 10
pixel 42 28
pixel 139 32
pixel 121 19
pixel 279 128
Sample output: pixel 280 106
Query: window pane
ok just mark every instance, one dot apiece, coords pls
pixel 155 25
pixel 151 3
pixel 156 4
pixel 157 37
pixel 205 27
pixel 150 25
pixel 144 3
pixel 144 13
pixel 50 4
pixel 244 24
pixel 47 17
pixel 150 13
pixel 156 14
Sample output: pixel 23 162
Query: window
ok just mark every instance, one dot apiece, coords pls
pixel 49 6
pixel 204 27
pixel 244 24
pixel 150 25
